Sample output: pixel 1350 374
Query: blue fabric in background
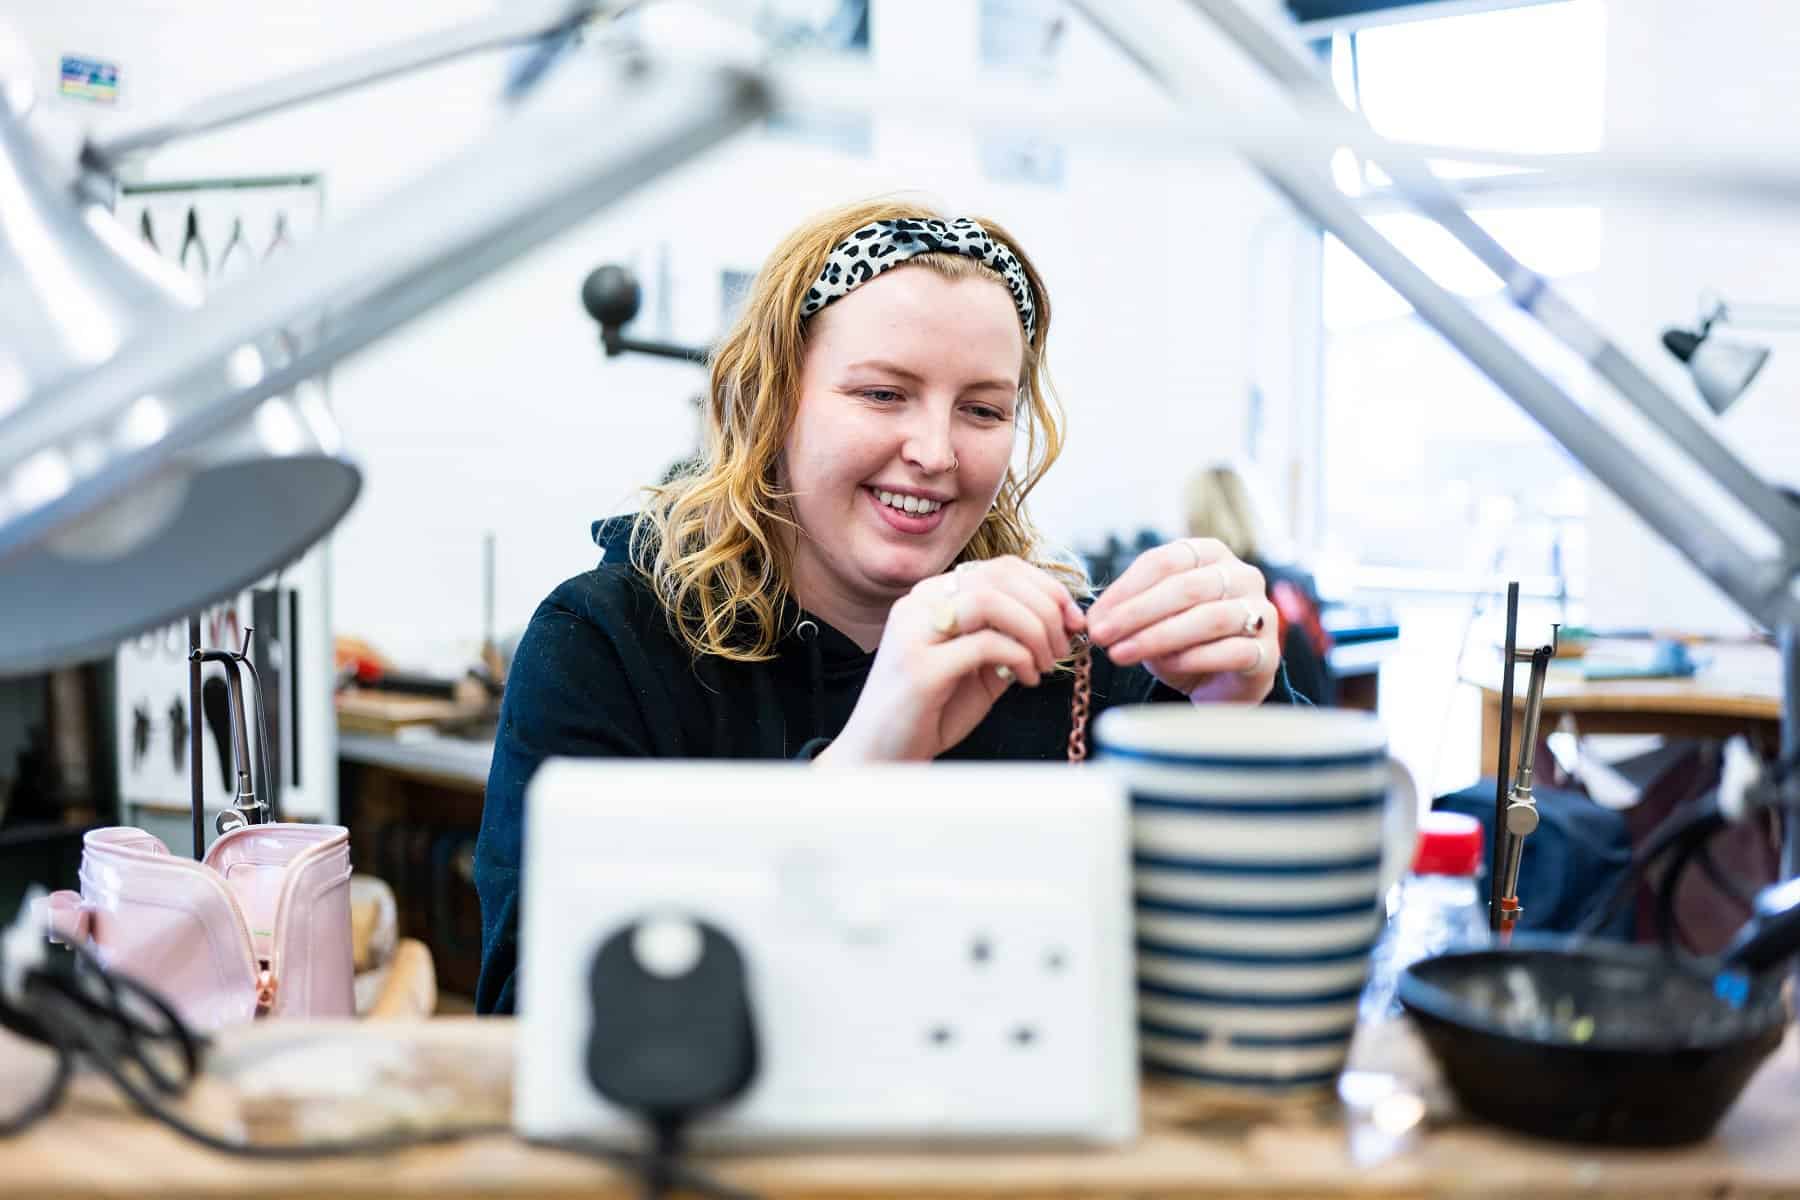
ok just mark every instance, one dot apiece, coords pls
pixel 1571 863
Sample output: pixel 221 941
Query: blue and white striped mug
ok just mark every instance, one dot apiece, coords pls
pixel 1263 839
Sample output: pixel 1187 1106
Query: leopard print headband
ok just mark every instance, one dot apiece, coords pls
pixel 881 245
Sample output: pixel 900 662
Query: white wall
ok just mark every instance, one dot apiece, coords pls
pixel 1680 74
pixel 499 412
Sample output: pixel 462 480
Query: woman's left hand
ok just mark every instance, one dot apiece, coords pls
pixel 1197 617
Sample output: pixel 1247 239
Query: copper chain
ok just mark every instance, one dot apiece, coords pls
pixel 1078 707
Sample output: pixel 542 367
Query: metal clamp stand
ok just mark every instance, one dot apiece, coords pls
pixel 1519 817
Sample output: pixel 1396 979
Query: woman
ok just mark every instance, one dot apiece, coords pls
pixel 849 575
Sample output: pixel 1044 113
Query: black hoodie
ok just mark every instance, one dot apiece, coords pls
pixel 598 674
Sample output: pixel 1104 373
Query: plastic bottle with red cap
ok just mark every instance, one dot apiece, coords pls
pixel 1438 907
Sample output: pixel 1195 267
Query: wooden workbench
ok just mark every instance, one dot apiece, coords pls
pixel 360 1076
pixel 1738 691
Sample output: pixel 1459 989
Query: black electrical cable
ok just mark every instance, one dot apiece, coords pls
pixel 1744 894
pixel 1670 883
pixel 665 1172
pixel 660 1169
pixel 102 1005
pixel 45 1101
pixel 1702 820
pixel 83 1010
pixel 1696 848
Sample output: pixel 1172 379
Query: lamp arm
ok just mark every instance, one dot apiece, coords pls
pixel 1756 316
pixel 380 267
pixel 617 343
pixel 511 23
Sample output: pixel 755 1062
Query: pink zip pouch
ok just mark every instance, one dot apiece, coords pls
pixel 260 928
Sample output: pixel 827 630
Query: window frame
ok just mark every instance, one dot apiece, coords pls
pixel 1318 21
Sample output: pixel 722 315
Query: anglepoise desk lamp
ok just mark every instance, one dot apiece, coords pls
pixel 1724 369
pixel 152 458
pixel 611 296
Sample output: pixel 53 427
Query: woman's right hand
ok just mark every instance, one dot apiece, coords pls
pixel 950 648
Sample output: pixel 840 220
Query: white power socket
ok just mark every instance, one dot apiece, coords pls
pixel 934 952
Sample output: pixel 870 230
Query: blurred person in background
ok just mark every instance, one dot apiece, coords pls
pixel 1221 504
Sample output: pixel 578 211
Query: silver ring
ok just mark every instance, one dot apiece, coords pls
pixel 1003 673
pixel 1195 551
pixel 1256 666
pixel 1253 620
pixel 1224 580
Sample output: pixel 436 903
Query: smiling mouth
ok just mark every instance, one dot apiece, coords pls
pixel 913 506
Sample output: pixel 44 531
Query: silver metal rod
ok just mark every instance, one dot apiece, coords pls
pixel 240 737
pixel 511 23
pixel 1512 856
pixel 1412 175
pixel 1521 816
pixel 813 83
pixel 536 176
pixel 1534 709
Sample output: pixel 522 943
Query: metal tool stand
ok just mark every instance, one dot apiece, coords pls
pixel 245 809
pixel 1518 817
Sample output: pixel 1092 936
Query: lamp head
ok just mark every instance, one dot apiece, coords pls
pixel 112 521
pixel 1722 370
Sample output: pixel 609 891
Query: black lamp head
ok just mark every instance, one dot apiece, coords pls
pixel 1722 369
pixel 611 295
pixel 1682 343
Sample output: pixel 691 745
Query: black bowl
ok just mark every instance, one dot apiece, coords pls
pixel 1592 1042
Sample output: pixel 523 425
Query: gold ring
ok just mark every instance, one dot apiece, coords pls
pixel 1253 620
pixel 943 618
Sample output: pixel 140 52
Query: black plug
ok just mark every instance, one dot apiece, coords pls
pixel 673 1035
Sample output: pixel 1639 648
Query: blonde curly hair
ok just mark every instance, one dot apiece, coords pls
pixel 714 542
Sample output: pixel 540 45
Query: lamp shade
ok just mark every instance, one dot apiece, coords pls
pixel 1723 370
pixel 109 523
